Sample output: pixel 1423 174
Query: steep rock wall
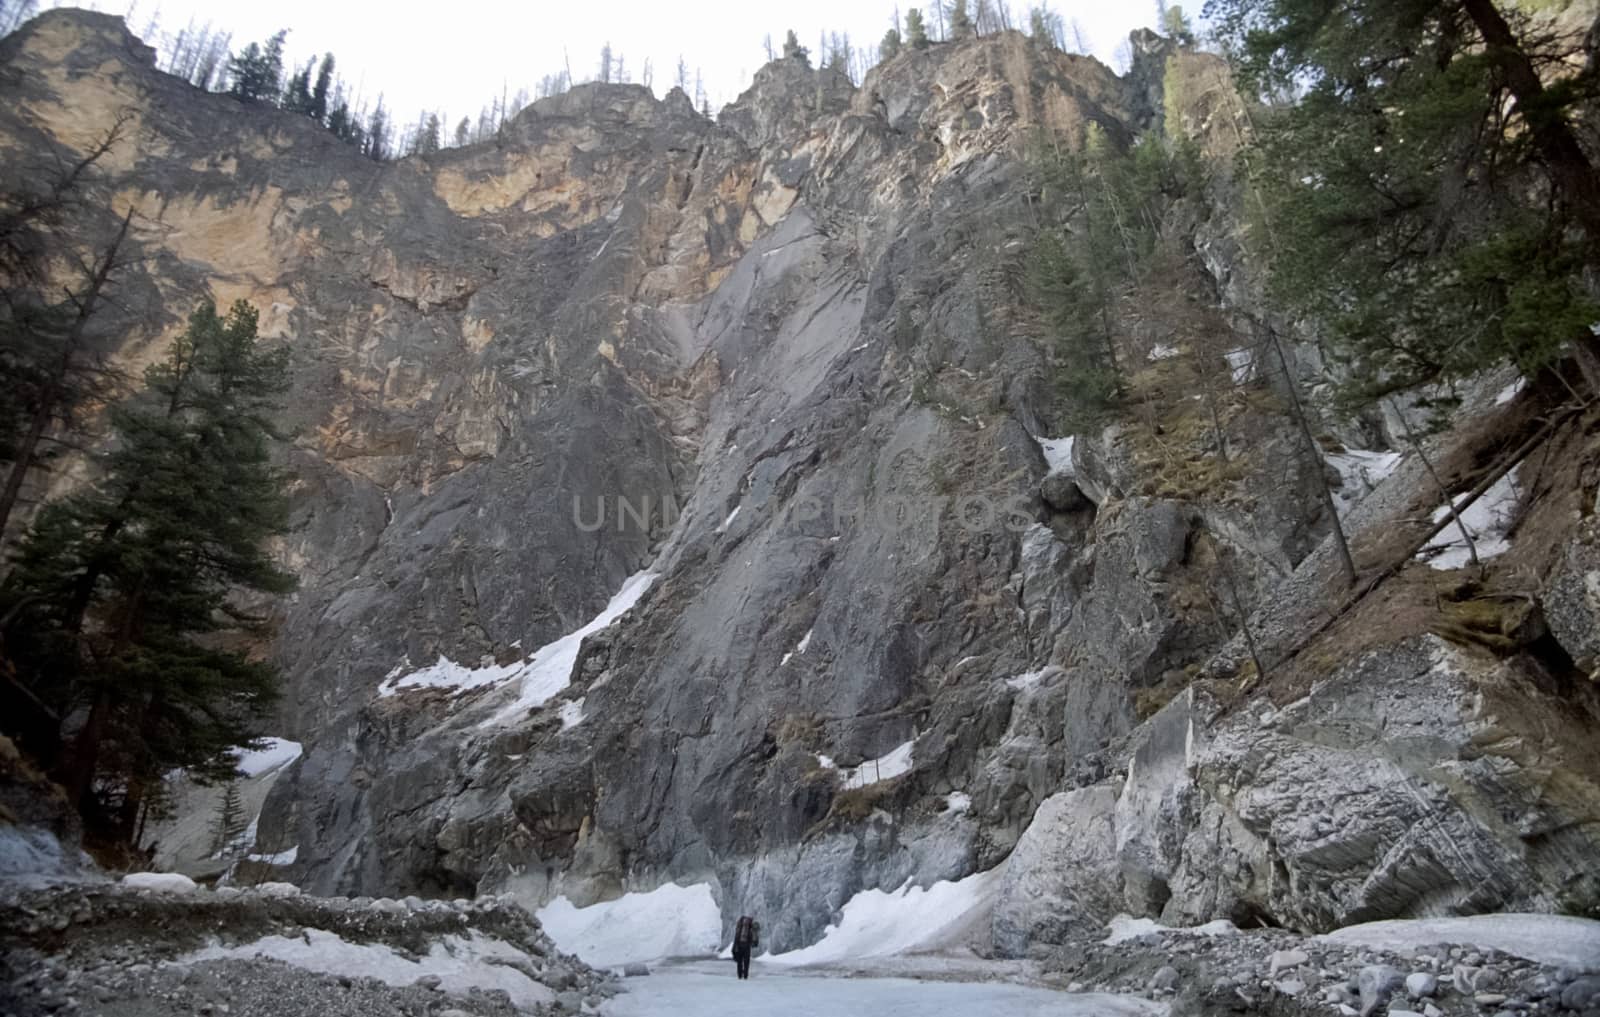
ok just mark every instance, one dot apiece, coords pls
pixel 801 334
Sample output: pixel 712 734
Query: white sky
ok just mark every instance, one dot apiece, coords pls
pixel 454 56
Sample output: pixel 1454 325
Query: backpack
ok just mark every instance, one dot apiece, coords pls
pixel 747 932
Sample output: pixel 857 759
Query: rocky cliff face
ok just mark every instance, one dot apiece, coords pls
pixel 779 369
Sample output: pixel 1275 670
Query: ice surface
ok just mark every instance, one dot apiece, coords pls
pixel 769 994
pixel 1162 351
pixel 729 521
pixel 1557 940
pixel 875 923
pixel 1488 520
pixel 160 882
pixel 461 963
pixel 274 754
pixel 805 642
pixel 669 921
pixel 958 801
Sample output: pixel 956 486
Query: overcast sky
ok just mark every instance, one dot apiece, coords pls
pixel 453 56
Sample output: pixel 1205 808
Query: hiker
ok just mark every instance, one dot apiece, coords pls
pixel 746 937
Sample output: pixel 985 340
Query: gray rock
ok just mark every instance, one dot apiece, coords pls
pixel 635 970
pixel 1282 960
pixel 1060 491
pixel 1063 876
pixel 1421 985
pixel 1376 983
pixel 1165 979
pixel 1581 993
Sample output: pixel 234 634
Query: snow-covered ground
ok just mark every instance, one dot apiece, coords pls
pixel 1488 519
pixel 680 993
pixel 875 923
pixel 1557 940
pixel 669 921
pixel 460 962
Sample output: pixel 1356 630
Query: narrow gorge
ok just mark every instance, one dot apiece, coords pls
pixel 688 521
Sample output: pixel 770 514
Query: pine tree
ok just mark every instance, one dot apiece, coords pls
pixel 1176 24
pixel 377 134
pixel 229 825
pixel 605 62
pixel 1045 28
pixel 463 132
pixel 428 141
pixel 320 92
pixel 1428 200
pixel 117 589
pixel 890 46
pixel 255 74
pixel 960 23
pixel 339 122
pixel 916 31
pixel 297 94
pixel 792 50
pixel 48 352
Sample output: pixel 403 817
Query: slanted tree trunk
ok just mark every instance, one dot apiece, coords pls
pixel 58 385
pixel 1553 138
pixel 1314 461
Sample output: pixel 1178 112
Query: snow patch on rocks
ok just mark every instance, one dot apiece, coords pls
pixel 459 963
pixel 911 919
pixel 669 921
pixel 1489 520
pixel 159 882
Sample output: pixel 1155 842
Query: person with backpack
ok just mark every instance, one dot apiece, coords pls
pixel 746 937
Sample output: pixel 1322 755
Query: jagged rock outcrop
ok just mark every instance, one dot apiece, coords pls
pixel 795 341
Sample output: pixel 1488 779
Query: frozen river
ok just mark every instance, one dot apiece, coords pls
pixel 706 991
